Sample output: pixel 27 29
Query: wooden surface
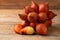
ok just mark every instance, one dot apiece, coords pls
pixel 21 3
pixel 9 17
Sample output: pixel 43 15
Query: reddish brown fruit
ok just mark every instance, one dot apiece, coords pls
pixel 17 28
pixel 37 23
pixel 51 15
pixel 48 23
pixel 32 24
pixel 41 29
pixel 23 16
pixel 35 7
pixel 32 17
pixel 25 23
pixel 28 9
pixel 44 7
pixel 42 17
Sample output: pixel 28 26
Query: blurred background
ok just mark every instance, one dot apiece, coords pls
pixel 19 4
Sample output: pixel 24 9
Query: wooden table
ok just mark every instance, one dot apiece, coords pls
pixel 9 17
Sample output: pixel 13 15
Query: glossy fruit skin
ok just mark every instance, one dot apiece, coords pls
pixel 17 28
pixel 48 23
pixel 32 17
pixel 41 29
pixel 42 17
pixel 44 7
pixel 28 9
pixel 25 23
pixel 51 15
pixel 28 30
pixel 35 7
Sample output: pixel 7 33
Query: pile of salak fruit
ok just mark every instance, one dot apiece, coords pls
pixel 36 19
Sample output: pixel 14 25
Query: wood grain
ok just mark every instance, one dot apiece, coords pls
pixel 55 4
pixel 9 17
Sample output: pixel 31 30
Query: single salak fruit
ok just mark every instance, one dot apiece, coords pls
pixel 35 7
pixel 41 29
pixel 32 17
pixel 42 17
pixel 17 28
pixel 27 30
pixel 44 7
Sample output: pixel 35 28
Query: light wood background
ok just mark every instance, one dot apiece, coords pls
pixel 54 4
pixel 8 19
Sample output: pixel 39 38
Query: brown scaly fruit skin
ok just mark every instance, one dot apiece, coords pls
pixel 17 28
pixel 23 16
pixel 41 29
pixel 44 7
pixel 27 30
pixel 32 17
pixel 42 17
pixel 51 15
pixel 28 9
pixel 35 7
